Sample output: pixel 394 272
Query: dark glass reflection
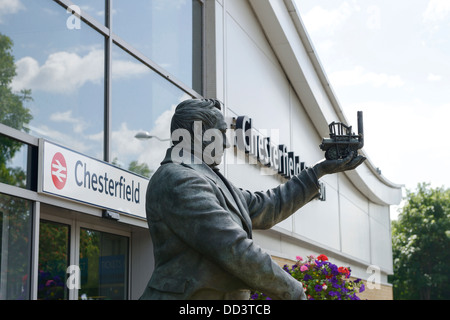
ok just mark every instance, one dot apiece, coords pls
pixel 103 266
pixel 15 247
pixel 53 261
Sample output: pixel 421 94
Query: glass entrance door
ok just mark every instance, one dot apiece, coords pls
pixel 53 260
pixel 101 257
pixel 103 266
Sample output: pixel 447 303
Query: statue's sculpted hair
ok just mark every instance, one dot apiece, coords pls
pixel 188 111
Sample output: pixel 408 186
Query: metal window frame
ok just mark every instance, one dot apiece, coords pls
pixel 111 38
pixel 37 199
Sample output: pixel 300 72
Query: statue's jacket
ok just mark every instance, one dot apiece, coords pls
pixel 201 228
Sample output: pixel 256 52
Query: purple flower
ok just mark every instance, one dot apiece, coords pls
pixel 307 277
pixel 319 264
pixel 334 269
pixel 354 297
pixel 362 288
pixel 318 287
pixel 254 296
pixel 334 294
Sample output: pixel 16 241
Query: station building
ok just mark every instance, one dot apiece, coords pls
pixel 82 78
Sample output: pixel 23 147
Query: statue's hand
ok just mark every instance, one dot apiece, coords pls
pixel 334 166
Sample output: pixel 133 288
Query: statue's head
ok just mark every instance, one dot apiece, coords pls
pixel 199 125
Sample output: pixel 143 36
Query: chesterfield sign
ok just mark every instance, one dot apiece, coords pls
pixel 277 157
pixel 71 175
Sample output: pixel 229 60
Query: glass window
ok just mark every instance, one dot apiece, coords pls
pixel 103 266
pixel 53 261
pixel 15 248
pixel 54 87
pixel 16 163
pixel 141 101
pixel 95 8
pixel 167 32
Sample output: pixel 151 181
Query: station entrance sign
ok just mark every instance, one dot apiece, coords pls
pixel 69 174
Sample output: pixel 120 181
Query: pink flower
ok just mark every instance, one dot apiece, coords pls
pixel 299 258
pixel 303 268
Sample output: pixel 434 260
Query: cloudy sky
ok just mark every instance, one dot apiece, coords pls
pixel 390 59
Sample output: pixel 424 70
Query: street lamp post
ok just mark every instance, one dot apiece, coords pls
pixel 143 135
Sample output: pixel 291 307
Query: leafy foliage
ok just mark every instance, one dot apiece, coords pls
pixel 421 245
pixel 13 113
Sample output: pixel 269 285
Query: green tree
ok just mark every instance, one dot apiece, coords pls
pixel 13 113
pixel 140 168
pixel 421 245
pixel 136 167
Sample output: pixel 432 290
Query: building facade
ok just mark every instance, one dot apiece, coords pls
pixel 82 78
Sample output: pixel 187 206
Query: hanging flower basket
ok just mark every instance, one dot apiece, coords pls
pixel 322 280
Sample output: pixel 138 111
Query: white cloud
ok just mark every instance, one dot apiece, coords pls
pixel 125 143
pixel 127 69
pixel 66 72
pixel 63 72
pixel 434 77
pixel 78 124
pixel 325 45
pixel 437 10
pixel 10 7
pixel 127 148
pixel 76 140
pixel 71 140
pixel 96 137
pixel 358 76
pixel 374 18
pixel 319 18
pixel 151 151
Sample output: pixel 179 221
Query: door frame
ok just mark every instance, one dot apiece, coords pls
pixel 76 221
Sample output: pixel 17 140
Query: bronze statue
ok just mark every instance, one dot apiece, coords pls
pixel 342 140
pixel 201 224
